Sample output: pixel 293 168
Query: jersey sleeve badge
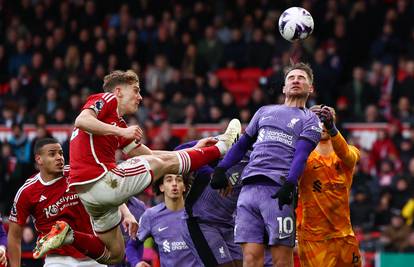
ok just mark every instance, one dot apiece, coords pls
pixel 97 106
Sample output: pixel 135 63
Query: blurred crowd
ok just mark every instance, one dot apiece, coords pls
pixel 53 54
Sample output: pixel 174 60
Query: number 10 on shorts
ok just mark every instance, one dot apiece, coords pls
pixel 286 225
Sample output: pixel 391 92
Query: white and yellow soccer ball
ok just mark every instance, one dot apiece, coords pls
pixel 295 23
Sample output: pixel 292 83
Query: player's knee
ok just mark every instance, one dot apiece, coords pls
pixel 282 262
pixel 163 164
pixel 117 256
pixel 251 259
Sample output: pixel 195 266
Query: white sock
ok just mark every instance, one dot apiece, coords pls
pixel 222 147
pixel 184 162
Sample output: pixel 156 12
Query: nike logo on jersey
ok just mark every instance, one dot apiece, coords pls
pixel 317 167
pixel 162 229
pixel 42 197
pixel 267 117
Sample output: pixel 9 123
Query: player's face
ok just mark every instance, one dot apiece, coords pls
pixel 297 84
pixel 130 98
pixel 325 136
pixel 50 159
pixel 173 186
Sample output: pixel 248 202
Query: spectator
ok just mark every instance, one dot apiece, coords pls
pixel 401 193
pixel 361 211
pixel 404 110
pixel 20 144
pixel 234 54
pixel 408 246
pixel 394 236
pixel 202 107
pixel 50 102
pixel 383 148
pixel 256 101
pixel 259 52
pixel 359 93
pixel 228 106
pixel 383 213
pixel 175 108
pixel 210 49
pixel 158 75
pixel 20 58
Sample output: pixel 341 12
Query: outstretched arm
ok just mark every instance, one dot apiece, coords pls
pixel 14 244
pixel 237 151
pixel 235 154
pixel 348 154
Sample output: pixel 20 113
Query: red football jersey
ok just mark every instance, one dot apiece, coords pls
pixel 91 156
pixel 48 202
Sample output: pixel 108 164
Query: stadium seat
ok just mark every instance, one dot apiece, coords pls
pixel 268 72
pixel 241 90
pixel 251 74
pixel 227 75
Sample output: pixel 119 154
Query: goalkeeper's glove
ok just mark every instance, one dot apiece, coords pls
pixel 327 118
pixel 219 179
pixel 285 194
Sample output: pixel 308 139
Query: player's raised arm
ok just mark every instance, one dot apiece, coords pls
pixel 14 244
pixel 348 154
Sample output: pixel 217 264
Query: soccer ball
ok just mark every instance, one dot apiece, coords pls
pixel 295 23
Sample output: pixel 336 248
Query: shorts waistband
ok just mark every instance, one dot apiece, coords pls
pixel 260 180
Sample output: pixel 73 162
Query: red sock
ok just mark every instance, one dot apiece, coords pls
pixel 195 158
pixel 88 244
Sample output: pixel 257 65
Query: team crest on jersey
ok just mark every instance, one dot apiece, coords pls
pixel 97 106
pixel 292 122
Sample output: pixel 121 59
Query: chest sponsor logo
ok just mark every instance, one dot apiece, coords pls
pixel 168 246
pixel 61 204
pixel 273 135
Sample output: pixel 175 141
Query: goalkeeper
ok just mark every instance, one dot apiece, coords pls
pixel 282 137
pixel 325 233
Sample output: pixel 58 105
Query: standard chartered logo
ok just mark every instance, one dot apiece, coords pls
pixel 271 135
pixel 173 246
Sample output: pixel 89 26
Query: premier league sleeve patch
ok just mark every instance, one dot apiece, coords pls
pixel 97 106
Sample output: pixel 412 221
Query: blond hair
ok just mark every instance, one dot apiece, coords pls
pixel 119 77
